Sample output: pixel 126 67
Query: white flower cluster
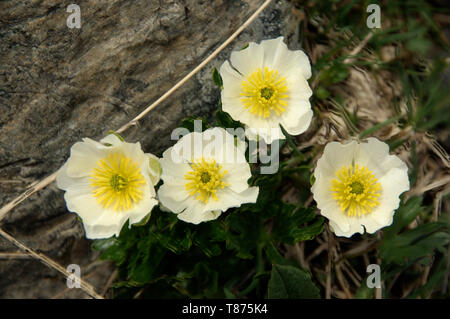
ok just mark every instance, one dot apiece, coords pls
pixel 357 184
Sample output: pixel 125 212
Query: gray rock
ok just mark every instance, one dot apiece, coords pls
pixel 58 85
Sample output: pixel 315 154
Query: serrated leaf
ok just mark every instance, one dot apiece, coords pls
pixel 291 224
pixel 144 263
pixel 288 282
pixel 416 243
pixel 242 232
pixel 274 256
pixel 308 232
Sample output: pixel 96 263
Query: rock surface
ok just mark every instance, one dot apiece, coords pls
pixel 58 85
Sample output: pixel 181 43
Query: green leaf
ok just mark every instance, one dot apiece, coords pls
pixel 217 79
pixel 404 216
pixel 143 265
pixel 338 72
pixel 116 134
pixel 378 126
pixel 243 232
pixel 364 292
pixel 115 253
pixel 322 93
pixel 416 243
pixel 312 179
pixel 419 45
pixel 288 282
pixel 143 221
pixel 245 46
pixel 291 142
pixel 308 232
pixel 223 119
pixel 269 196
pixel 441 271
pixel 274 256
pixel 291 224
pixel 104 244
pixel 189 124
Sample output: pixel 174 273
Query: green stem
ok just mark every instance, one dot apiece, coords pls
pixel 259 269
pixel 259 258
pixel 290 142
pixel 259 261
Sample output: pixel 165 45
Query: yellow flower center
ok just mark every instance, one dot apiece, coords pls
pixel 265 92
pixel 205 179
pixel 117 182
pixel 356 190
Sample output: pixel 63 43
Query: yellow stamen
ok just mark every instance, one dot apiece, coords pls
pixel 205 179
pixel 265 92
pixel 356 190
pixel 117 182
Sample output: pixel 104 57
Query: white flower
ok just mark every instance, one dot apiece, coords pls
pixel 204 174
pixel 265 86
pixel 109 183
pixel 358 186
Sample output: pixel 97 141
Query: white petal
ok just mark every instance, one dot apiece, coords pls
pixel 336 155
pixel 110 223
pixel 139 214
pixel 227 198
pixel 154 168
pixel 63 181
pixel 237 176
pixel 393 184
pixel 173 173
pixel 165 197
pixel 236 109
pixel 354 228
pixel 297 117
pixel 101 231
pixel 375 155
pixel 223 147
pixel 86 206
pixel 132 151
pixel 232 81
pixel 187 149
pixel 328 206
pixel 83 157
pixel 195 212
pixel 175 192
pixel 298 86
pixel 278 56
pixel 248 60
pixel 111 139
